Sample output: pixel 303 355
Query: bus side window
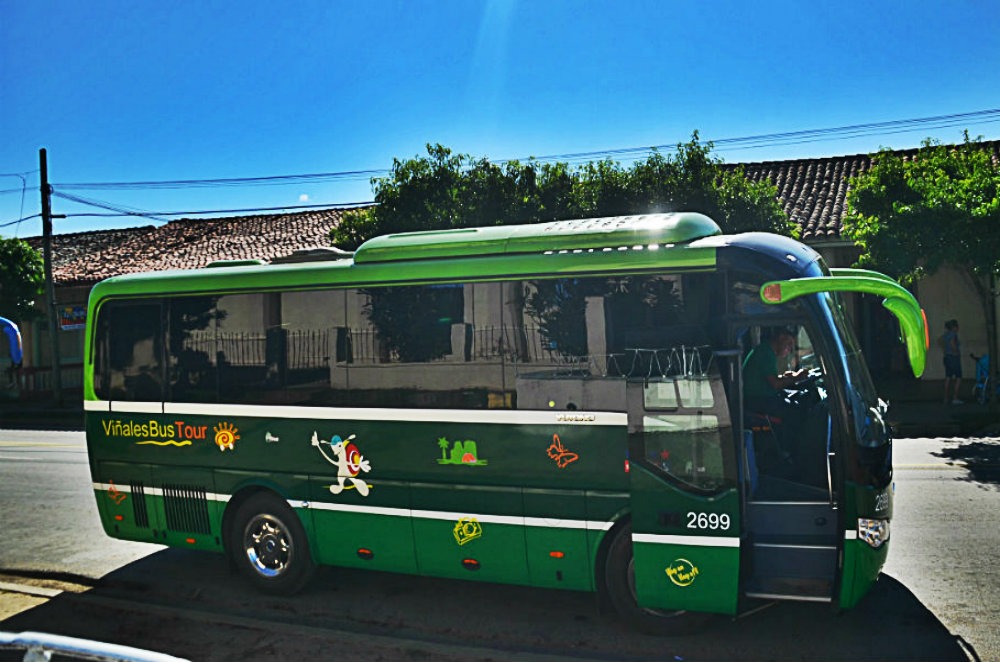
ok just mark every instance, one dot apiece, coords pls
pixel 130 362
pixel 245 352
pixel 191 346
pixel 686 427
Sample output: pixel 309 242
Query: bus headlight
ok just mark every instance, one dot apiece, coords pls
pixel 875 532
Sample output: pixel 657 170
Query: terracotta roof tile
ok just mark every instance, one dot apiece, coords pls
pixel 813 193
pixel 87 257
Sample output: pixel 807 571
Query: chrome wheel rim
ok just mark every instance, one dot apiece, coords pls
pixel 268 545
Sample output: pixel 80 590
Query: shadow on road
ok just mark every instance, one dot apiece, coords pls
pixel 981 458
pixel 191 605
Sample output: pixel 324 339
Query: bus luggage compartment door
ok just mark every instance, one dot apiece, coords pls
pixel 685 503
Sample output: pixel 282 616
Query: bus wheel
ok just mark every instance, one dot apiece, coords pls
pixel 619 578
pixel 269 545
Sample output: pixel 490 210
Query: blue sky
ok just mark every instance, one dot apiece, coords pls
pixel 130 91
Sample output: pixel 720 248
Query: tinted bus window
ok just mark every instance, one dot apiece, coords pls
pixel 594 330
pixel 192 350
pixel 249 348
pixel 313 346
pixel 424 346
pixel 129 362
pixel 687 431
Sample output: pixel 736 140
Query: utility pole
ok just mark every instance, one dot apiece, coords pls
pixel 50 288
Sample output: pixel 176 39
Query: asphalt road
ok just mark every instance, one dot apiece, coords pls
pixel 946 533
pixel 47 508
pixel 941 585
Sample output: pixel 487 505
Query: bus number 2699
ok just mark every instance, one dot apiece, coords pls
pixel 713 521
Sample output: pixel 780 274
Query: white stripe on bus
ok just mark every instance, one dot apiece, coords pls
pixel 448 516
pixel 400 512
pixel 347 508
pixel 503 416
pixel 694 541
pixel 155 491
pixel 125 407
pixel 543 522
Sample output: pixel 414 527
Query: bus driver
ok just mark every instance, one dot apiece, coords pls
pixel 763 386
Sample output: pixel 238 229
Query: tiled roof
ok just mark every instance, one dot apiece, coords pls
pixel 87 257
pixel 812 191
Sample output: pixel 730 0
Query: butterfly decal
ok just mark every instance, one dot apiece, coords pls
pixel 558 452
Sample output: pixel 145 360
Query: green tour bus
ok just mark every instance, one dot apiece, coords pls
pixel 556 405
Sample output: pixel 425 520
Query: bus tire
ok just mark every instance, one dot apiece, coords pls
pixel 619 577
pixel 269 545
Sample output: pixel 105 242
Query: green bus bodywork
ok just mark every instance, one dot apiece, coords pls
pixel 521 496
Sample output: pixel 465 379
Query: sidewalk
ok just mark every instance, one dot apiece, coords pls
pixel 916 409
pixel 915 418
pixel 41 415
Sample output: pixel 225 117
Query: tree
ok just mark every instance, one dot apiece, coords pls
pixel 911 216
pixel 22 277
pixel 692 179
pixel 408 320
pixel 444 190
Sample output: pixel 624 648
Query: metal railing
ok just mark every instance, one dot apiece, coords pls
pixel 39 647
pixel 36 382
pixel 307 348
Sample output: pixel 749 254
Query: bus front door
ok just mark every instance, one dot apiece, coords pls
pixel 791 516
pixel 686 514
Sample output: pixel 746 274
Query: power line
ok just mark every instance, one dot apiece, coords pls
pixel 787 138
pixel 275 180
pixel 23 176
pixel 336 205
pixel 119 210
pixel 860 130
pixel 853 130
pixel 20 220
pixel 801 137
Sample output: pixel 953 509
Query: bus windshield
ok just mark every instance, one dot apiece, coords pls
pixel 863 399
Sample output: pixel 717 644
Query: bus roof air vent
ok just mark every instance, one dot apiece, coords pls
pixel 234 263
pixel 576 235
pixel 315 254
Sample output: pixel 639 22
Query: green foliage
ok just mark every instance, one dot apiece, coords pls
pixel 444 190
pixel 22 278
pixel 559 308
pixel 409 323
pixel 941 206
pixel 693 180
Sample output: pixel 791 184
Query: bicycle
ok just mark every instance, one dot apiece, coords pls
pixel 982 391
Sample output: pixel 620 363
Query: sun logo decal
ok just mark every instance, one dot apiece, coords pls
pixel 226 435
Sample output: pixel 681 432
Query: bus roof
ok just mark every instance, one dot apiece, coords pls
pixel 592 233
pixel 620 243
